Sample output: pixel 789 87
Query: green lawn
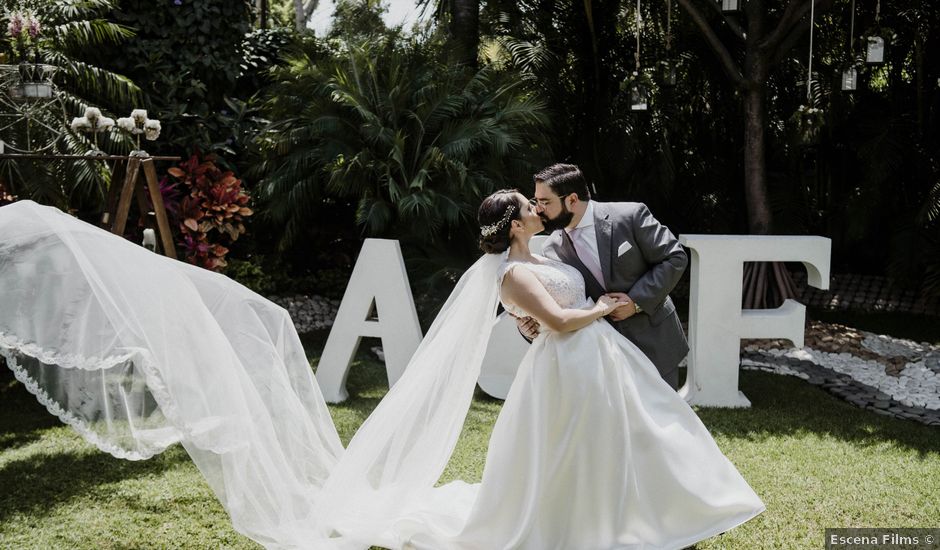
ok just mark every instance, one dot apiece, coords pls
pixel 816 461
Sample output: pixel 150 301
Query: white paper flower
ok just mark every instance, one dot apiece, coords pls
pixel 92 114
pixel 105 124
pixel 139 115
pixel 80 123
pixel 152 129
pixel 126 124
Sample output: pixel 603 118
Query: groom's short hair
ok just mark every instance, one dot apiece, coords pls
pixel 563 180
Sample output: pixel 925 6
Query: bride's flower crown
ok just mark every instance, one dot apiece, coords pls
pixel 489 230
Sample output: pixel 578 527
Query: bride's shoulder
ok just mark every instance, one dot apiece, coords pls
pixel 508 266
pixel 547 260
pixel 522 269
pixel 515 269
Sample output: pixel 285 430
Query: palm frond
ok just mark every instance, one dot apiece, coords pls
pixel 381 125
pixel 74 35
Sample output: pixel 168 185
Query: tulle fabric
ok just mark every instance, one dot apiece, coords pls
pixel 137 352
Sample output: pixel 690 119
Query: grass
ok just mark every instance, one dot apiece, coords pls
pixel 816 461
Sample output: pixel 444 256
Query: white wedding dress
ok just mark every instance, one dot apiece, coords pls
pixel 592 450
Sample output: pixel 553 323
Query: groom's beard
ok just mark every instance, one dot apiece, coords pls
pixel 560 221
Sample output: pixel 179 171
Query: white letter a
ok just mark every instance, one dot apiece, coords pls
pixel 379 277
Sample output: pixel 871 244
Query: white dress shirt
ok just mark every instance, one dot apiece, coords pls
pixel 584 239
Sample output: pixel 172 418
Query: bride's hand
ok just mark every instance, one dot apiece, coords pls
pixel 606 304
pixel 627 307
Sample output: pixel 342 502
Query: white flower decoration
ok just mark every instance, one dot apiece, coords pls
pixel 80 123
pixel 92 114
pixel 139 115
pixel 126 124
pixel 105 124
pixel 152 129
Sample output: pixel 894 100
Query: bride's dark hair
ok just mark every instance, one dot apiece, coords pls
pixel 494 225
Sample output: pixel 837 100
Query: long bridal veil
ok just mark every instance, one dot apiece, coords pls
pixel 137 352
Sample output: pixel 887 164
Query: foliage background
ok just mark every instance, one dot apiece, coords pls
pixel 316 127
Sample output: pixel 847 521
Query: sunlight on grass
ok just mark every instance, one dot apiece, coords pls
pixel 816 462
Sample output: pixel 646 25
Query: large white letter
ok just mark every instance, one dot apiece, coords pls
pixel 716 321
pixel 378 278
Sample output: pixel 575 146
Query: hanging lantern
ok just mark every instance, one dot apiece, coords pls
pixel 730 6
pixel 667 72
pixel 639 97
pixel 667 67
pixel 850 73
pixel 875 53
pixel 875 50
pixel 639 91
pixel 850 79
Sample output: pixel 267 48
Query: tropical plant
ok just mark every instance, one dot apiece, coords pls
pixel 187 57
pixel 284 13
pixel 5 196
pixel 261 49
pixel 66 34
pixel 462 18
pixel 70 33
pixel 411 144
pixel 211 212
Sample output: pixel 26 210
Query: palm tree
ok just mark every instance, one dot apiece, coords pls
pixel 71 33
pixel 465 31
pixel 462 19
pixel 411 143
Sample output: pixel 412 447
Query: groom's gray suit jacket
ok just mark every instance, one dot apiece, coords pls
pixel 641 257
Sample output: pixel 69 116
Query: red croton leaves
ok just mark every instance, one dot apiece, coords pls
pixel 213 201
pixel 5 196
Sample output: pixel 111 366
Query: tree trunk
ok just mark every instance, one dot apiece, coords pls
pixel 262 13
pixel 919 80
pixel 465 32
pixel 766 285
pixel 755 172
pixel 756 65
pixel 302 12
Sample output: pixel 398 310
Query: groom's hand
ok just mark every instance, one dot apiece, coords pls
pixel 625 311
pixel 528 327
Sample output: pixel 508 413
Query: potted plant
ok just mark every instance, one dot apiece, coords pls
pixel 24 31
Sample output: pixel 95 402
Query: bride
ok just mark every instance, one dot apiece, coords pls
pixel 591 450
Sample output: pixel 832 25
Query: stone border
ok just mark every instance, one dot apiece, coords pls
pixel 308 313
pixel 839 384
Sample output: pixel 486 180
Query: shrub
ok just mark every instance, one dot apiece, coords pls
pixel 211 211
pixel 406 143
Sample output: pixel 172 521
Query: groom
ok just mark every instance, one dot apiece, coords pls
pixel 622 250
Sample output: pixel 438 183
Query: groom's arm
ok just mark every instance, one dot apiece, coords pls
pixel 663 253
